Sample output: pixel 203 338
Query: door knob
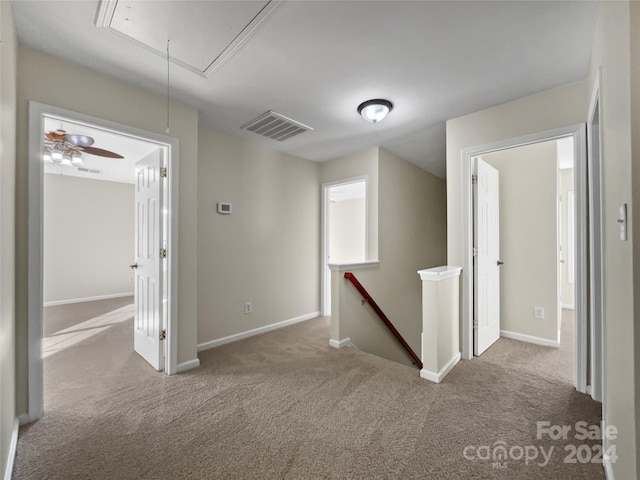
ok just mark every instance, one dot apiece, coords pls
pixel 499 263
pixel 135 265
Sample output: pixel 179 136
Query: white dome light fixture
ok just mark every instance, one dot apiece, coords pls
pixel 375 110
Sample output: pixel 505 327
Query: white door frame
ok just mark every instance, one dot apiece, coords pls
pixel 579 134
pixel 596 243
pixel 325 285
pixel 37 111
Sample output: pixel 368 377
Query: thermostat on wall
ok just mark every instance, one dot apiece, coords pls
pixel 224 207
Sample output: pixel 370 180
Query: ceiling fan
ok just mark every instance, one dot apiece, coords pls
pixel 67 148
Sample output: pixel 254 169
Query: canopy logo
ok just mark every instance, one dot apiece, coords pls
pixel 500 453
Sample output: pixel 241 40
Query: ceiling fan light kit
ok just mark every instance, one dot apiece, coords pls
pixel 66 149
pixel 375 110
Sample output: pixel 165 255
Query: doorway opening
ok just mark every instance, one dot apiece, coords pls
pixel 578 134
pixel 521 254
pixel 69 269
pixel 345 237
pixel 588 301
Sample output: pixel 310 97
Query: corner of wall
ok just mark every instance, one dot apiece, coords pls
pixel 8 102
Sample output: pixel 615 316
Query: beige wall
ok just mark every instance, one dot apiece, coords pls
pixel 528 238
pixel 347 231
pixel 84 219
pixel 555 108
pixel 47 80
pixel 267 251
pixel 616 55
pixel 363 163
pixel 412 237
pixel 8 55
pixel 567 289
pixel 559 107
pixel 612 52
pixel 412 225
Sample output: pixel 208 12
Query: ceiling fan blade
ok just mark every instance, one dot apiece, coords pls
pixel 79 140
pixel 55 135
pixel 100 152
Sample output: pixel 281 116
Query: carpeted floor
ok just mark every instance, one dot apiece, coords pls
pixel 285 405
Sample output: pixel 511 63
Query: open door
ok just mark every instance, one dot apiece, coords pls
pixel 486 256
pixel 148 323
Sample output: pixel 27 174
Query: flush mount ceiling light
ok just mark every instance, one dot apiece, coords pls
pixel 375 110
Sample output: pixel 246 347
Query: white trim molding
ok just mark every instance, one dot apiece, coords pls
pixel 343 267
pixel 568 307
pixel 437 274
pixel 256 331
pixel 595 258
pixel 325 277
pixel 35 293
pixel 608 467
pixel 578 132
pixel 13 446
pixel 529 339
pixel 345 342
pixel 107 8
pixel 88 299
pixel 184 366
pixel 444 371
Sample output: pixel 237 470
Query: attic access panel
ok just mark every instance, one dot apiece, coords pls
pixel 203 34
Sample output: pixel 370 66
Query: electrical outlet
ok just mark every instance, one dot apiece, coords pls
pixel 538 312
pixel 248 308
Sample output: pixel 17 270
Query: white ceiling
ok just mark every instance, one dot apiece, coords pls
pixel 316 61
pixel 110 169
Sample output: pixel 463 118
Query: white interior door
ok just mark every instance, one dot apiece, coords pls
pixel 487 256
pixel 148 272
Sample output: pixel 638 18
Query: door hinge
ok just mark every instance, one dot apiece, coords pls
pixel 475 251
pixel 163 253
pixel 163 334
pixel 474 179
pixel 163 172
pixel 475 324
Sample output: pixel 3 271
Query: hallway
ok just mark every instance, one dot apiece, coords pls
pixel 286 405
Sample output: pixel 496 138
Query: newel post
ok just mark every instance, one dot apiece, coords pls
pixel 440 321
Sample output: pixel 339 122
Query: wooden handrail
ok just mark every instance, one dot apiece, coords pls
pixel 367 298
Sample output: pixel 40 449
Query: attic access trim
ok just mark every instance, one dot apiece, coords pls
pixel 203 35
pixel 276 126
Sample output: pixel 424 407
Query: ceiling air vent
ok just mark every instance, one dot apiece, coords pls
pixel 275 126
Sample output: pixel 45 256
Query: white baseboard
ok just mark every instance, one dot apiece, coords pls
pixel 608 467
pixel 529 339
pixel 345 342
pixel 183 367
pixel 12 450
pixel 438 377
pixel 255 331
pixel 25 419
pixel 568 307
pixel 88 299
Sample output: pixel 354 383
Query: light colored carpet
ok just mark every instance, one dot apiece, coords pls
pixel 284 405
